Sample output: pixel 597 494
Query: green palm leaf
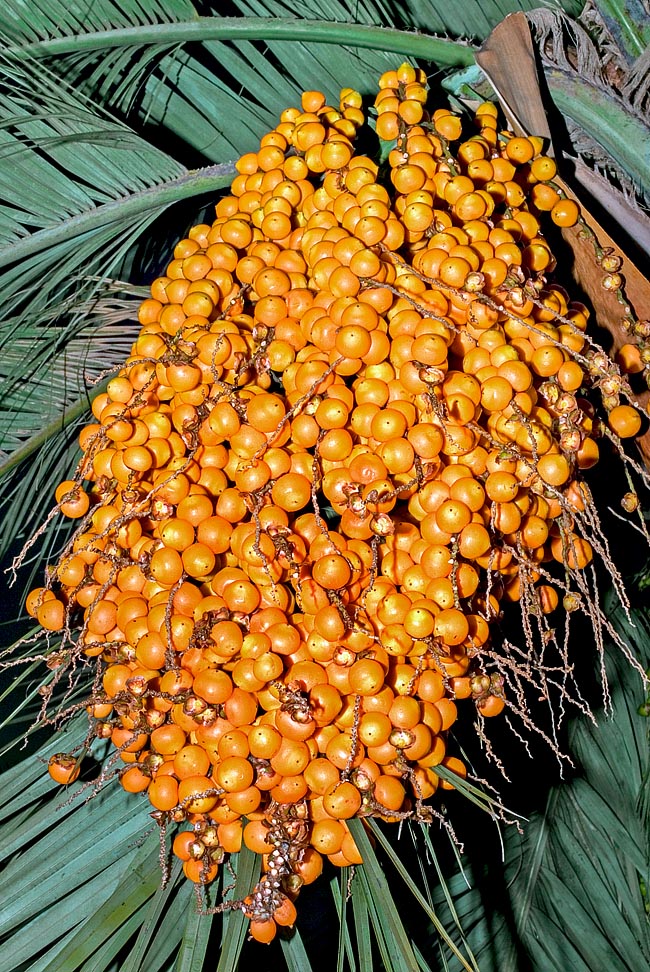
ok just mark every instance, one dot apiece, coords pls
pixel 219 73
pixel 96 187
pixel 218 97
pixel 65 851
pixel 627 26
pixel 613 125
pixel 575 877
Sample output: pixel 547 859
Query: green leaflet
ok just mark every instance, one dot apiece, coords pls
pixel 243 28
pixel 194 944
pixel 419 898
pixel 627 21
pixel 294 953
pixel 339 887
pixel 573 878
pixel 139 884
pixel 362 932
pixel 176 922
pixel 103 958
pixel 80 188
pixel 44 879
pixel 392 938
pixel 235 923
pixel 220 102
pixel 66 913
pixel 624 136
pixel 156 908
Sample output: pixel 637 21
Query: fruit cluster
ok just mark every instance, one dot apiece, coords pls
pixel 353 423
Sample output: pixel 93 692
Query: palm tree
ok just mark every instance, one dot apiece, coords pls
pixel 121 121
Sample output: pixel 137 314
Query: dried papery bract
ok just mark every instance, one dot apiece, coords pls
pixel 355 424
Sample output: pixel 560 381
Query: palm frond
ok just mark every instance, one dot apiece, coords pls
pixel 101 342
pixel 581 92
pixel 26 500
pixel 518 90
pixel 627 26
pixel 471 20
pixel 204 78
pixel 65 852
pixel 80 188
pixel 570 892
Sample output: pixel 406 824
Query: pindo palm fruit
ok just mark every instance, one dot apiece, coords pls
pixel 353 426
